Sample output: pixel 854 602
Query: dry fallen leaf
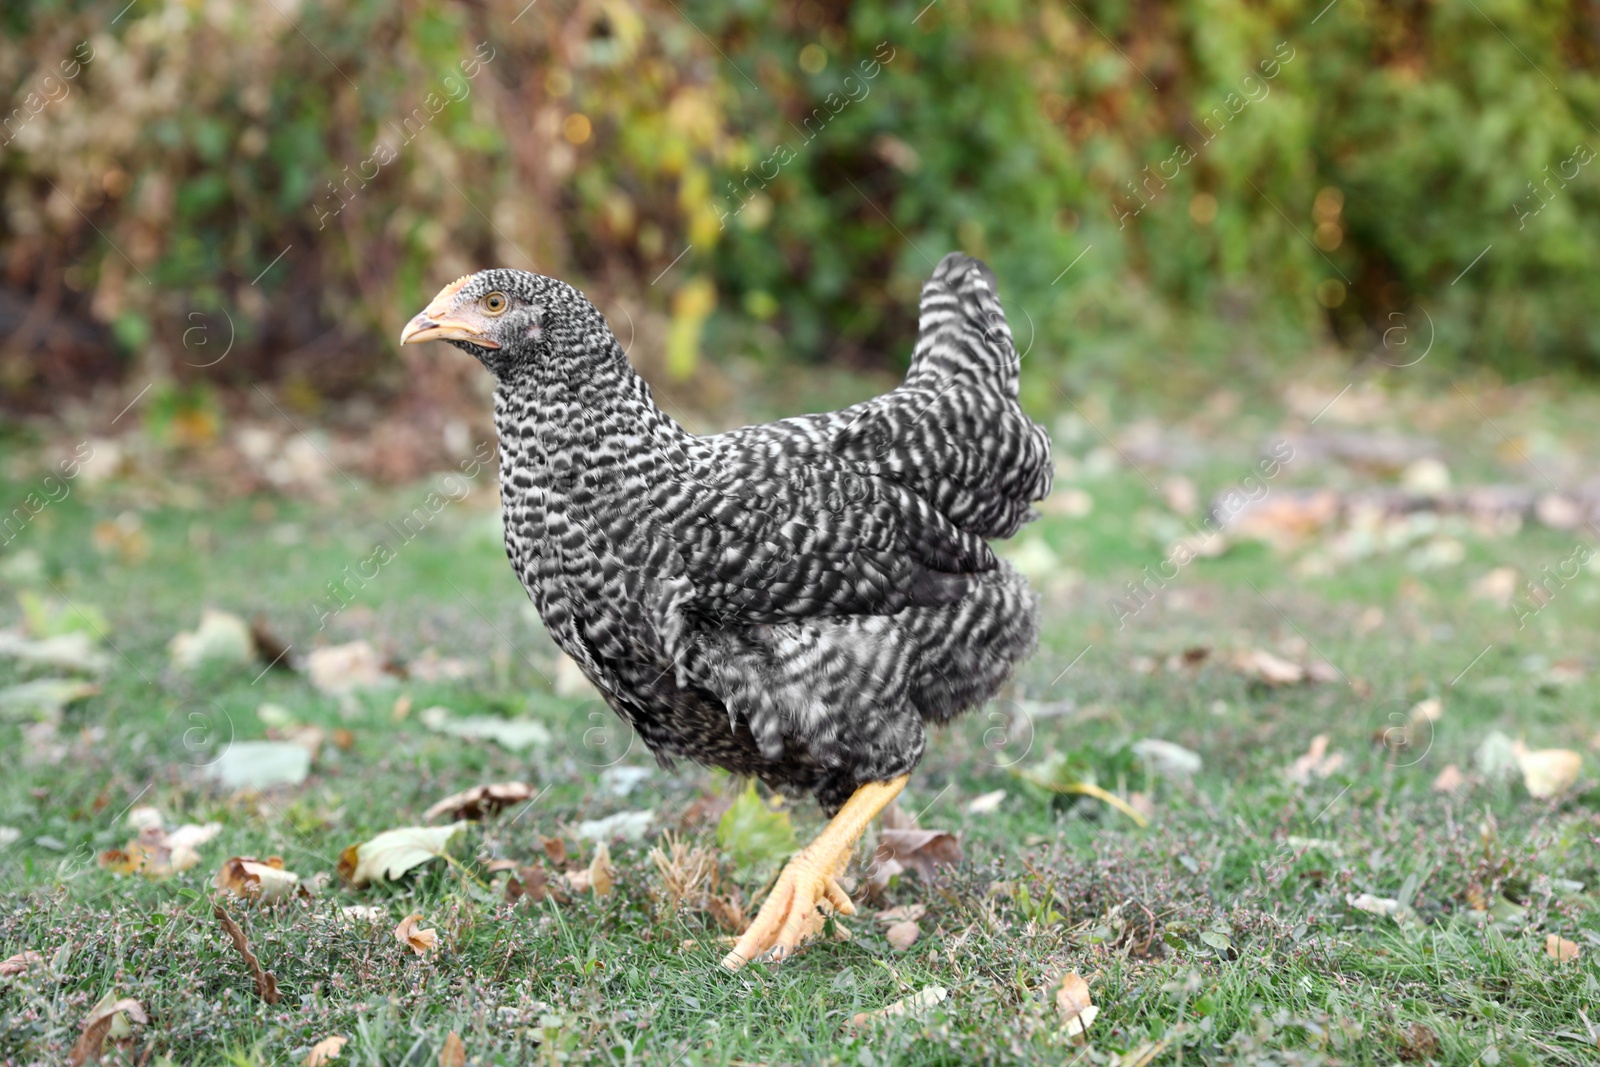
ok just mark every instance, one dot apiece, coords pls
pixel 156 853
pixel 1143 1055
pixel 480 801
pixel 394 852
pixel 260 765
pixel 1266 667
pixel 902 935
pixel 75 651
pixel 43 698
pixel 1560 949
pixel 602 875
pixel 914 1005
pixel 1072 1001
pixel 263 881
pixel 1283 520
pixel 106 1018
pixel 986 803
pixel 19 963
pixel 220 638
pixel 325 1051
pixel 371 914
pixel 1499 585
pixel 528 883
pixel 511 734
pixel 903 913
pixel 266 981
pixel 923 851
pixel 337 669
pixel 1450 780
pixel 1400 911
pixel 454 1052
pixel 1547 772
pixel 1428 710
pixel 421 941
pixel 1316 763
pixel 555 848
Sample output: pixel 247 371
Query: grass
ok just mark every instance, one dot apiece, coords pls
pixel 1221 932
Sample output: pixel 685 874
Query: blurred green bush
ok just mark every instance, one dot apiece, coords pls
pixel 778 182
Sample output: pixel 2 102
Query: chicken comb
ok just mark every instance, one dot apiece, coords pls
pixel 449 291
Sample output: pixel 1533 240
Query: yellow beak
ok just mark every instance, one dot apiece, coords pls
pixel 429 326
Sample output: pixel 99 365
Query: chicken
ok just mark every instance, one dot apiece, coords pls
pixel 795 601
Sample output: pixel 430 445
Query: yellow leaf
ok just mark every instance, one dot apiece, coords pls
pixel 1548 771
pixel 454 1052
pixel 902 935
pixel 601 872
pixel 1316 763
pixel 420 941
pixel 1072 1001
pixel 325 1051
pixel 1560 949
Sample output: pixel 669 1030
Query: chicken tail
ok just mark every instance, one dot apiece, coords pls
pixel 954 431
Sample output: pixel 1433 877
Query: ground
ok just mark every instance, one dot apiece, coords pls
pixel 1244 923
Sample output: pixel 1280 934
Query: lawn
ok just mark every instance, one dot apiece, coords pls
pixel 1393 892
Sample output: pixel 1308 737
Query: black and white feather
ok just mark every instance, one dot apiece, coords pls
pixel 794 600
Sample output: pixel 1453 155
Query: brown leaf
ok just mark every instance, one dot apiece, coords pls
pixel 903 913
pixel 480 801
pixel 263 881
pixel 922 851
pixel 19 963
pixel 1266 667
pixel 1449 780
pixel 555 848
pixel 1316 763
pixel 266 981
pixel 454 1053
pixel 894 817
pixel 1560 949
pixel 269 646
pixel 325 1051
pixel 338 669
pixel 902 935
pixel 101 1018
pixel 1072 1001
pixel 916 1004
pixel 528 883
pixel 421 941
pixel 157 852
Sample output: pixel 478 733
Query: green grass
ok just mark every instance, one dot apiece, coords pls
pixel 1222 929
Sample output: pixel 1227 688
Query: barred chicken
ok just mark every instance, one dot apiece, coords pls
pixel 797 601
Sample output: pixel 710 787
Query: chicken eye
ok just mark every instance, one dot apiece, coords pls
pixel 494 303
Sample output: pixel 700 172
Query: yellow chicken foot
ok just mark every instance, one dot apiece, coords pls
pixel 793 911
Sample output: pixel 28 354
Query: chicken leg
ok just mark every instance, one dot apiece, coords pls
pixel 792 911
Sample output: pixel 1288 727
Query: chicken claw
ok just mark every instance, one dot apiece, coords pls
pixel 808 888
pixel 793 913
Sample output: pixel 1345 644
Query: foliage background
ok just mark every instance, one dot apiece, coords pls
pixel 188 176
